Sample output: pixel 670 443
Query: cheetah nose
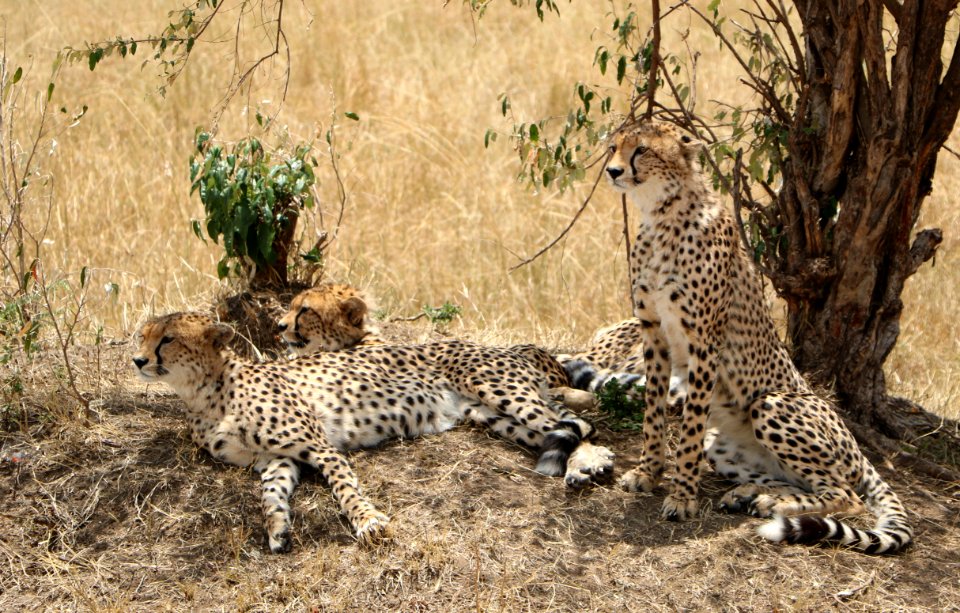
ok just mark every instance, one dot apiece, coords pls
pixel 282 326
pixel 614 172
pixel 140 362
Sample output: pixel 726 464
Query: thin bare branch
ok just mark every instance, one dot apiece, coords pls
pixel 798 58
pixel 654 59
pixel 626 222
pixel 566 230
pixel 237 83
pixel 762 87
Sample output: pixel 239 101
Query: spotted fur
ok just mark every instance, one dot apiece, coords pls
pixel 700 304
pixel 308 410
pixel 333 317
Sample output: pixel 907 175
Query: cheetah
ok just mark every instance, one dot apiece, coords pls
pixel 334 317
pixel 328 317
pixel 276 416
pixel 700 303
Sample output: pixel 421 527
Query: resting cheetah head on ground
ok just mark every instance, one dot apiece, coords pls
pixel 180 348
pixel 329 317
pixel 650 161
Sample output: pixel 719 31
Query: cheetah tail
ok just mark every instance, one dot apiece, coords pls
pixel 560 442
pixel 585 376
pixel 891 533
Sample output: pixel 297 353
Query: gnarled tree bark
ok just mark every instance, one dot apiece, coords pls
pixel 864 143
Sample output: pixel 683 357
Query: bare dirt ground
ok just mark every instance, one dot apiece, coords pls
pixel 123 513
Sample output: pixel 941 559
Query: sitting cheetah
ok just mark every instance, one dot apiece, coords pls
pixel 276 415
pixel 701 306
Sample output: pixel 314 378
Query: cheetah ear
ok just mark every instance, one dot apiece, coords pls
pixel 691 147
pixel 354 309
pixel 219 334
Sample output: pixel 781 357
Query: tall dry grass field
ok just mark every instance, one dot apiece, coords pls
pixel 432 216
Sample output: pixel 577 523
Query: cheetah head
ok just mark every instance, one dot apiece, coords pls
pixel 328 317
pixel 179 349
pixel 650 161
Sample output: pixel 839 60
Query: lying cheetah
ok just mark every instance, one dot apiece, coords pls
pixel 701 306
pixel 333 317
pixel 328 317
pixel 276 415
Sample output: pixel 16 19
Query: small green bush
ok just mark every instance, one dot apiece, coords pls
pixel 252 201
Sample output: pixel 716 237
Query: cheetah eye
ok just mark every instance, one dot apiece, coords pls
pixel 164 341
pixel 302 310
pixel 640 150
pixel 613 148
pixel 685 139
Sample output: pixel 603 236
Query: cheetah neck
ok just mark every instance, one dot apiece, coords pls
pixel 690 199
pixel 201 393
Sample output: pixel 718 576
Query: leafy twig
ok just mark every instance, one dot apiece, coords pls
pixel 570 225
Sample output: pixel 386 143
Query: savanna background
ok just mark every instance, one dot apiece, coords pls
pixel 114 510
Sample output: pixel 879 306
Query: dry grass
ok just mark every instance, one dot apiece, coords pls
pixel 125 514
pixel 432 215
pixel 122 513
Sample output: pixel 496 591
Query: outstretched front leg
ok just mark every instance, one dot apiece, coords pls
pixel 278 478
pixel 368 523
pixel 309 445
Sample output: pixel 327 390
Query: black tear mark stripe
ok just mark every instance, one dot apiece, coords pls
pixel 296 326
pixel 156 352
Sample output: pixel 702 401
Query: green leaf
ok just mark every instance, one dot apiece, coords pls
pixel 49 91
pixel 534 132
pixel 95 56
pixel 603 56
pixel 489 137
pixel 83 276
pixel 352 115
pixel 18 74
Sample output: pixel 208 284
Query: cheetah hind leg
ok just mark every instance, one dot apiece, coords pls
pixel 825 487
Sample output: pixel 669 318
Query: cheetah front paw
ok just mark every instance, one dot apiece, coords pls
pixel 638 480
pixel 375 526
pixel 588 463
pixel 279 542
pixel 678 509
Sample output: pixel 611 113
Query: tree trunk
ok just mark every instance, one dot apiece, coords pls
pixel 274 275
pixel 864 144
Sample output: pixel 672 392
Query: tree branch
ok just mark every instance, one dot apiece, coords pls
pixel 570 225
pixel 654 60
pixel 923 248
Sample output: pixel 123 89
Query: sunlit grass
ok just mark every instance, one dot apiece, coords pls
pixel 432 215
